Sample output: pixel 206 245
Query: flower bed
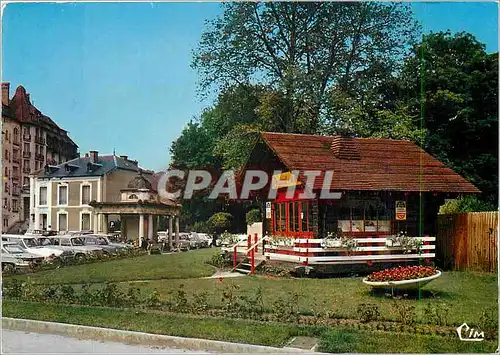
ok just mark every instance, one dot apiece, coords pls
pixel 401 273
pixel 408 277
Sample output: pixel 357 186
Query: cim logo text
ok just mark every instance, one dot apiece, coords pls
pixel 466 333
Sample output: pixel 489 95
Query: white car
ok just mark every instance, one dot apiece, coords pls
pixel 31 245
pixel 14 257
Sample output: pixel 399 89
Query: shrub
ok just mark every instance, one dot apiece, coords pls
pixel 202 227
pixel 253 216
pixel 220 260
pixel 220 221
pixel 368 312
pixel 286 309
pixel 437 313
pixel 405 310
pixel 466 204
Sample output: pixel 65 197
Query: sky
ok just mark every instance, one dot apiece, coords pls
pixel 117 76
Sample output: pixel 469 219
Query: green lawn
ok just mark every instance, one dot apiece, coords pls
pixel 467 294
pixel 251 332
pixel 148 267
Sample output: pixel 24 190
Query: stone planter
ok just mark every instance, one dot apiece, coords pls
pixel 413 284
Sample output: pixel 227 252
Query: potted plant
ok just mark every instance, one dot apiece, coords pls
pixel 332 240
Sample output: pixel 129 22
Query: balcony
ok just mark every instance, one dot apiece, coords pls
pixel 16 191
pixel 40 140
pixel 26 170
pixel 16 142
pixel 27 137
pixel 15 209
pixel 26 154
pixel 40 157
pixel 16 160
pixel 15 178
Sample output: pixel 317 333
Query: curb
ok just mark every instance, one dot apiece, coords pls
pixel 137 338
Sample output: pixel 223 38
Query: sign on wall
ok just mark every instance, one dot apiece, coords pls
pixel 268 210
pixel 284 180
pixel 400 210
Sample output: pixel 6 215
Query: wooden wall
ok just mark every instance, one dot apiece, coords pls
pixel 468 241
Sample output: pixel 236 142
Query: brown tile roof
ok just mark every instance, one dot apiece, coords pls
pixel 366 163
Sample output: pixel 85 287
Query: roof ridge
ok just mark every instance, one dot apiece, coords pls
pixel 333 136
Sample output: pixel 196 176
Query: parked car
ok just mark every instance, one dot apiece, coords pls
pixel 14 257
pixel 197 241
pixel 76 245
pixel 208 238
pixel 110 240
pixel 100 242
pixel 31 245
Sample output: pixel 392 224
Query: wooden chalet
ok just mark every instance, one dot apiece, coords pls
pixel 379 187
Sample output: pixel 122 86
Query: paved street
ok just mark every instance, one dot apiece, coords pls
pixel 14 342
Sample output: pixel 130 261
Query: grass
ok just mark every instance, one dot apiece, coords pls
pixel 251 332
pixel 376 342
pixel 467 294
pixel 147 267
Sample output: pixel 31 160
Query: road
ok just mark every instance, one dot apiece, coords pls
pixel 14 342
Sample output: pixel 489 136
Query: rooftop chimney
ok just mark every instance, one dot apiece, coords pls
pixel 5 93
pixel 124 157
pixel 93 155
pixel 345 148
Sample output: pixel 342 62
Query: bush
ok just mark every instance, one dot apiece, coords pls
pixel 466 204
pixel 368 312
pixel 437 313
pixel 253 216
pixel 220 260
pixel 202 227
pixel 220 221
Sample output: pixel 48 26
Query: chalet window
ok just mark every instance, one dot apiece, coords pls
pixel 85 194
pixel 43 196
pixel 62 222
pixel 304 213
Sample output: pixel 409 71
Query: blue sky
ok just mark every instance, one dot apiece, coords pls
pixel 117 75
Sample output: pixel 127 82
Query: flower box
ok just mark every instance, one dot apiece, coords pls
pixel 392 243
pixel 331 243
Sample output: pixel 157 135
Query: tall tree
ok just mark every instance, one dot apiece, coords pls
pixel 301 50
pixel 452 83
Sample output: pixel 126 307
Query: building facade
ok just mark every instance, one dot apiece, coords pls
pixel 30 140
pixel 61 194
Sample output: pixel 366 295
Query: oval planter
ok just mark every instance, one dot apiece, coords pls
pixel 403 284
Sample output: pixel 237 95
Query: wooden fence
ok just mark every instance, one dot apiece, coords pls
pixel 468 241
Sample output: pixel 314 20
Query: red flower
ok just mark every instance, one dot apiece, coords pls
pixel 221 278
pixel 369 263
pixel 403 273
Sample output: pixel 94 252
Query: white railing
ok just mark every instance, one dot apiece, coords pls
pixel 309 251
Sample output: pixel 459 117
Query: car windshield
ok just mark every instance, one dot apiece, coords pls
pixel 76 242
pixel 44 241
pixel 30 242
pixel 14 249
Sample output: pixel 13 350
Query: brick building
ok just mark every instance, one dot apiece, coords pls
pixel 30 140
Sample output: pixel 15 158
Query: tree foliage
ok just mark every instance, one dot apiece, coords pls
pixel 452 84
pixel 220 221
pixel 301 50
pixel 253 216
